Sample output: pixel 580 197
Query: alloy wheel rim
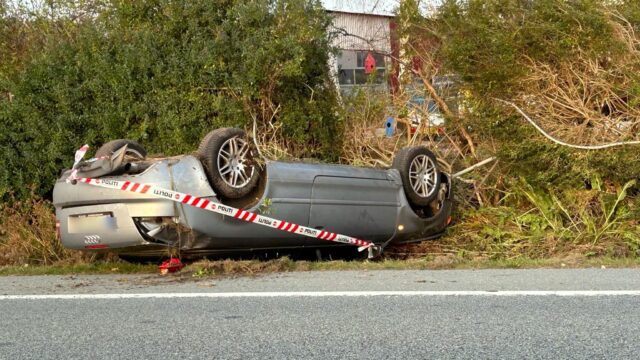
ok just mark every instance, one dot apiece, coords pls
pixel 423 175
pixel 233 162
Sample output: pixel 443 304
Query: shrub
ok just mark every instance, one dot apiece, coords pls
pixel 572 65
pixel 165 73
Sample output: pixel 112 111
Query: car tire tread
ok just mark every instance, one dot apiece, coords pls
pixel 133 148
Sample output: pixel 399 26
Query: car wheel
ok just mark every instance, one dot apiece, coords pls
pixel 419 172
pixel 134 149
pixel 228 159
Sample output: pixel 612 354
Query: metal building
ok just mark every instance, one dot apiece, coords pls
pixel 367 50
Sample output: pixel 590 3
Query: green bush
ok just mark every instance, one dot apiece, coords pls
pixel 487 41
pixel 543 199
pixel 599 221
pixel 165 73
pixel 491 45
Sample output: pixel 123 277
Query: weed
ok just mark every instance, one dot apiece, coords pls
pixel 200 272
pixel 539 223
pixel 28 235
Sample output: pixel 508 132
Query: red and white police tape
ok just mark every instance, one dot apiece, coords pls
pixel 207 205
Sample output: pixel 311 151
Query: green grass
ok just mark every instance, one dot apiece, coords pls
pixel 206 268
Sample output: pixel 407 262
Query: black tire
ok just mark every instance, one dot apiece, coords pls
pixel 223 181
pixel 403 163
pixel 133 148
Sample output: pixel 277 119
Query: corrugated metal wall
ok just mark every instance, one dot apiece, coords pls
pixel 370 32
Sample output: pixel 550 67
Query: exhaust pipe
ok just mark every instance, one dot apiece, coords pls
pixel 136 167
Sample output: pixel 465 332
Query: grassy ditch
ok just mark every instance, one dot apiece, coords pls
pixel 603 232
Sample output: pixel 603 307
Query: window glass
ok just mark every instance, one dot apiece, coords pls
pixel 346 77
pixel 381 75
pixel 362 78
pixel 362 55
pixel 379 60
pixel 360 59
pixel 351 68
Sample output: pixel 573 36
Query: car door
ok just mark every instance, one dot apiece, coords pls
pixel 288 200
pixel 360 207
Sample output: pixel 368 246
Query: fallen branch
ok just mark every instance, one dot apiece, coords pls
pixel 473 167
pixel 559 142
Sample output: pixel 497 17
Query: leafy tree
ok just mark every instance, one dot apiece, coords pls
pixel 165 73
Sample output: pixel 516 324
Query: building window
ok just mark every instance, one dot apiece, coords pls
pixel 346 77
pixel 362 55
pixel 351 70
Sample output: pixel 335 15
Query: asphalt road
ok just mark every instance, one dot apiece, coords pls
pixel 328 315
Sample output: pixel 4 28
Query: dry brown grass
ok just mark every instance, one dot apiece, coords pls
pixel 363 146
pixel 586 100
pixel 271 143
pixel 28 236
pixel 581 102
pixel 244 267
pixel 365 143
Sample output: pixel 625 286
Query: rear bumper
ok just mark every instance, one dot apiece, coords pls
pixel 96 227
pixel 93 218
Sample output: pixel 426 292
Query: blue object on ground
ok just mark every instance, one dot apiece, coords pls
pixel 390 126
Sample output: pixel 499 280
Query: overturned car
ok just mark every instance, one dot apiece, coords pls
pixel 412 201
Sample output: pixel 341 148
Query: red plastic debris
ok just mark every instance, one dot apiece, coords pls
pixel 170 266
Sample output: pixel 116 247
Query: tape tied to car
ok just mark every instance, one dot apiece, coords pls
pixel 79 155
pixel 204 204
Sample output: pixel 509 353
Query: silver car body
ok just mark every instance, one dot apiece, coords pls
pixel 361 202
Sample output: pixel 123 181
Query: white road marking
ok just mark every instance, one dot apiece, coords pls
pixel 579 293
